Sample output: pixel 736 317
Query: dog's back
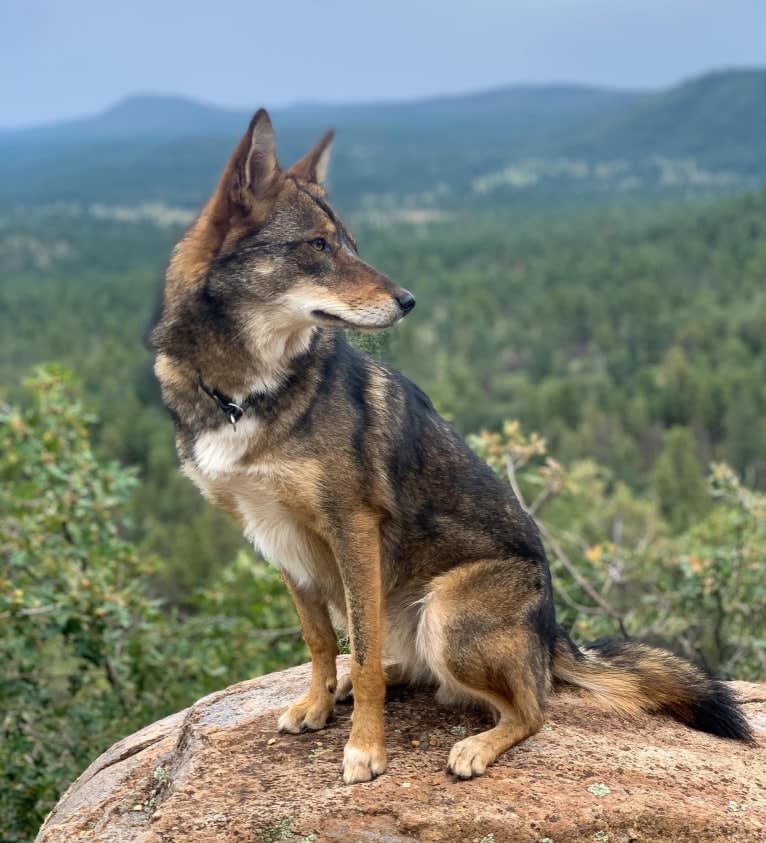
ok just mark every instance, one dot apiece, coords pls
pixel 343 474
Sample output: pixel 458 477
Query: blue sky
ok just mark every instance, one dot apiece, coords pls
pixel 71 57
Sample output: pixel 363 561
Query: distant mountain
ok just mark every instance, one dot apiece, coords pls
pixel 700 136
pixel 149 116
pixel 517 142
pixel 718 119
pixel 156 117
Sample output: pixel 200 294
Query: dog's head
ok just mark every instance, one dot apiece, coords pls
pixel 268 245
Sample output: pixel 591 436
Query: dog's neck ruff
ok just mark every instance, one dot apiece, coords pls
pixel 264 403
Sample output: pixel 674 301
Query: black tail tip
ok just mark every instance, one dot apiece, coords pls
pixel 719 713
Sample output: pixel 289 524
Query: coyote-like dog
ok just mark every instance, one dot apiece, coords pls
pixel 381 519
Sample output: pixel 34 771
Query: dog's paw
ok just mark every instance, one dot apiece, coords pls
pixel 345 691
pixel 306 715
pixel 362 764
pixel 470 758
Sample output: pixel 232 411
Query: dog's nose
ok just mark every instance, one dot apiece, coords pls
pixel 406 301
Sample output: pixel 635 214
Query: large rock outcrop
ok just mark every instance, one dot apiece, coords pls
pixel 218 771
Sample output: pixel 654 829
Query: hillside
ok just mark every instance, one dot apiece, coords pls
pixel 703 135
pixel 140 117
pixel 633 340
pixel 718 120
pixel 169 117
pixel 600 329
pixel 513 144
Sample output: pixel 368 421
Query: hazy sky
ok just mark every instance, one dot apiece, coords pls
pixel 66 58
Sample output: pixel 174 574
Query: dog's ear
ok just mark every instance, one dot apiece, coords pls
pixel 313 166
pixel 250 174
pixel 254 167
pixel 243 194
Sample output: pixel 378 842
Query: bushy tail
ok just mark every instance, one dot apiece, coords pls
pixel 632 677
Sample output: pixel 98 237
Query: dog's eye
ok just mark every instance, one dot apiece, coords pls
pixel 320 244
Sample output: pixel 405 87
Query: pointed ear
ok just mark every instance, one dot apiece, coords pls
pixel 313 166
pixel 250 173
pixel 255 166
pixel 249 181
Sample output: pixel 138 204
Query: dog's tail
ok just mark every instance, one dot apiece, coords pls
pixel 632 677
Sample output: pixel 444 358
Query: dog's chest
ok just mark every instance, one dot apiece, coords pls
pixel 274 498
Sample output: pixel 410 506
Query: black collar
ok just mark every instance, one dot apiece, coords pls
pixel 262 403
pixel 226 405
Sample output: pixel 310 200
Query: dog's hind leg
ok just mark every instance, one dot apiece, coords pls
pixel 483 631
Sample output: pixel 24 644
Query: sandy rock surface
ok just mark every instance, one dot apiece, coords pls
pixel 219 771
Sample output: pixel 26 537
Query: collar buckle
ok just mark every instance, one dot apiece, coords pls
pixel 233 411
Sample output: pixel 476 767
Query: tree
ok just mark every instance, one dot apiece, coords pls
pixel 679 481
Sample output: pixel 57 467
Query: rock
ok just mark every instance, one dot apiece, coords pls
pixel 218 772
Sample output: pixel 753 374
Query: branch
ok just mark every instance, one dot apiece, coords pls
pixel 31 612
pixel 540 501
pixel 111 675
pixel 581 581
pixel 264 633
pixel 510 469
pixel 571 602
pixel 278 632
pixel 718 626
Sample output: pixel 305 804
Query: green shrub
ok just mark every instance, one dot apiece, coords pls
pixel 87 655
pixel 692 581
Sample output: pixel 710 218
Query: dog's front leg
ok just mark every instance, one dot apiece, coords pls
pixel 311 712
pixel 357 550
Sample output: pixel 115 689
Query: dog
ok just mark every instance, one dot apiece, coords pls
pixel 381 519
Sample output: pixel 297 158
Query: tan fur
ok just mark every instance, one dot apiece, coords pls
pixel 311 712
pixel 614 689
pixel 657 680
pixel 166 371
pixel 314 165
pixel 340 471
pixel 331 563
pixel 519 713
pixel 231 211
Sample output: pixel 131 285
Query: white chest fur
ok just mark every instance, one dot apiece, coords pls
pixel 257 490
pixel 275 532
pixel 220 451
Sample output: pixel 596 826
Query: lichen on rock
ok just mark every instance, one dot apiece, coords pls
pixel 219 772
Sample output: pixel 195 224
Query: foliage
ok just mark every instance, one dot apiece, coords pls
pixel 619 568
pixel 679 481
pixel 87 655
pixel 601 330
pixel 632 340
